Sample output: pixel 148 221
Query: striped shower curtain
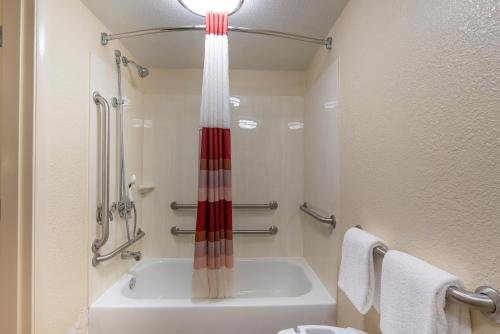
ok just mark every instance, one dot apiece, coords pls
pixel 213 255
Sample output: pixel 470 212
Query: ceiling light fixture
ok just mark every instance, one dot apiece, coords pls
pixel 201 7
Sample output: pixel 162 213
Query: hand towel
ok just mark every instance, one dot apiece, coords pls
pixel 357 273
pixel 413 298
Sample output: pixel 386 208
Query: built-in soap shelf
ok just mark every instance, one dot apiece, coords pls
pixel 146 189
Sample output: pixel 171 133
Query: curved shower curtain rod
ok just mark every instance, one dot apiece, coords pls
pixel 327 42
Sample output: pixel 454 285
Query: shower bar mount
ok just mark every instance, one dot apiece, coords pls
pixel 273 205
pixel 326 42
pixel 485 298
pixel 270 231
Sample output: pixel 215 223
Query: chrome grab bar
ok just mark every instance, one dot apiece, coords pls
pixel 103 214
pixel 100 258
pixel 485 299
pixel 273 205
pixel 325 220
pixel 270 231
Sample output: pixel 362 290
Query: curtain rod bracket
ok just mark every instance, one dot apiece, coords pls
pixel 104 38
pixel 328 43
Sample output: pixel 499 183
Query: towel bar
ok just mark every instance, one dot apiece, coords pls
pixel 485 299
pixel 270 231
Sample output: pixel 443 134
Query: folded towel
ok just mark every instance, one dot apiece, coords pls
pixel 413 298
pixel 357 274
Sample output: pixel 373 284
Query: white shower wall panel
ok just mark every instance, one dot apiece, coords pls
pixel 267 165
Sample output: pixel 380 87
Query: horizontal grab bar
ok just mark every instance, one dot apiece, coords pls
pixel 100 258
pixel 325 220
pixel 273 205
pixel 270 231
pixel 485 299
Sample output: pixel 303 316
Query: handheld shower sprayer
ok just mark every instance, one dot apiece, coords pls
pixel 130 185
pixel 141 70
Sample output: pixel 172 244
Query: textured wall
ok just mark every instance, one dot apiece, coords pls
pixel 67 34
pixel 419 133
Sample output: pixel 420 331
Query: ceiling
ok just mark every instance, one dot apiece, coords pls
pixel 312 18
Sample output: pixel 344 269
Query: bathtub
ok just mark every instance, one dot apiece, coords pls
pixel 270 294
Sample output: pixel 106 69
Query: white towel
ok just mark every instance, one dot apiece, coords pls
pixel 357 274
pixel 413 298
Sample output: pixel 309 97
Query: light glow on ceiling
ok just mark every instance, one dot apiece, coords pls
pixel 295 125
pixel 234 101
pixel 247 124
pixel 201 7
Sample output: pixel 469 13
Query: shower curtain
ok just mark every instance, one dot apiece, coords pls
pixel 213 255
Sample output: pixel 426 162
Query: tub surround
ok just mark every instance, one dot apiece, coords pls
pixel 267 159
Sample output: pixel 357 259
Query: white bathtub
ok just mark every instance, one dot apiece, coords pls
pixel 270 294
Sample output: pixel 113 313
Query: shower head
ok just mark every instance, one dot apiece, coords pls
pixel 141 70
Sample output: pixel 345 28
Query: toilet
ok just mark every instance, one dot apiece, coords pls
pixel 315 329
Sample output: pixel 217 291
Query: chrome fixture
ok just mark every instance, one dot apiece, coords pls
pixel 326 42
pixel 125 205
pixel 103 215
pixel 141 70
pixel 273 205
pixel 236 8
pixel 100 258
pixel 485 298
pixel 131 255
pixel 325 220
pixel 270 231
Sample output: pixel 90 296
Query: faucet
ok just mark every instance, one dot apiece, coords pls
pixel 132 255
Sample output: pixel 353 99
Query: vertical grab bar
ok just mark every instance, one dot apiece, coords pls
pixel 103 213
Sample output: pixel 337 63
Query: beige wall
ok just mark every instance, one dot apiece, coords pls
pixel 67 37
pixel 419 139
pixel 267 160
pixel 16 166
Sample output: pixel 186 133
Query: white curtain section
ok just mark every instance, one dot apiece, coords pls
pixel 215 111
